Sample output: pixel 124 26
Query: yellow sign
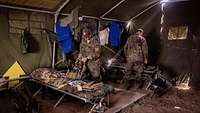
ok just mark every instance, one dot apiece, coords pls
pixel 14 72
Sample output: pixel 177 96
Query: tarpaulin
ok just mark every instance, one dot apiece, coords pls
pixel 40 55
pixel 115 33
pixel 64 37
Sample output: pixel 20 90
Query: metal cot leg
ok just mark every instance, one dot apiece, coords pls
pixel 59 101
pixel 93 107
pixel 37 92
pixel 108 100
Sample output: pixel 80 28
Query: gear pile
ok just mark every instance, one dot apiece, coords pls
pixel 83 88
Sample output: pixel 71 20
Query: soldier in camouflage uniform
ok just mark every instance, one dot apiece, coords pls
pixel 90 49
pixel 136 52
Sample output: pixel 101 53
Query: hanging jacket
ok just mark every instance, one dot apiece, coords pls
pixel 115 33
pixel 64 37
pixel 25 41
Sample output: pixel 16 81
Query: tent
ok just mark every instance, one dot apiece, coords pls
pixel 146 14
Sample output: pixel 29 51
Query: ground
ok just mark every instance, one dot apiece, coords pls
pixel 175 101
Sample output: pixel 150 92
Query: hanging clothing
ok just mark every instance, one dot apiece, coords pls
pixel 115 33
pixel 64 37
pixel 75 16
pixel 25 41
pixel 103 36
pixel 75 23
pixel 65 21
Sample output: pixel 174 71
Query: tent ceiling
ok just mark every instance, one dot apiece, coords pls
pixel 95 8
pixel 130 8
pixel 91 7
pixel 36 4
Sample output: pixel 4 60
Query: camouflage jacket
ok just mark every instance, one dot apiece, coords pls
pixel 136 49
pixel 90 48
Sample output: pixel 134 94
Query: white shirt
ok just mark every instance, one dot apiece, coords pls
pixel 103 35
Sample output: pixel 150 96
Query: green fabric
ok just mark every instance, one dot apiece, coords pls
pixel 75 23
pixel 51 35
pixel 75 14
pixel 11 52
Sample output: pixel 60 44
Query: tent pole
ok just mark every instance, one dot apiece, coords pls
pixel 54 44
pixel 99 25
pixel 50 12
pixel 106 19
pixel 62 6
pixel 55 19
pixel 112 8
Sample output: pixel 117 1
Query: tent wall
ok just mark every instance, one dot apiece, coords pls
pixel 182 55
pixel 177 56
pixel 12 23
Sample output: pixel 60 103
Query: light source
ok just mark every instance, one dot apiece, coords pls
pixel 130 26
pixel 109 63
pixel 129 23
pixel 164 1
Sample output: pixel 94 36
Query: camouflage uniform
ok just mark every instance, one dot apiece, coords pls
pixel 91 48
pixel 136 51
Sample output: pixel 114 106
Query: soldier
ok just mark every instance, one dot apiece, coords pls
pixel 136 52
pixel 90 49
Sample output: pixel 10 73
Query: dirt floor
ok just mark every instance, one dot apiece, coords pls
pixel 175 101
pixel 69 105
pixel 72 105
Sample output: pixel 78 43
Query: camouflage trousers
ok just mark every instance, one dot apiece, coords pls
pixel 133 71
pixel 94 68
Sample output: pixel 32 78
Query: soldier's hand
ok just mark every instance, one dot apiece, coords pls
pixel 84 59
pixel 80 55
pixel 96 49
pixel 89 57
pixel 114 60
pixel 145 61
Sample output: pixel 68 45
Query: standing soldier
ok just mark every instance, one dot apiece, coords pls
pixel 136 52
pixel 90 49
